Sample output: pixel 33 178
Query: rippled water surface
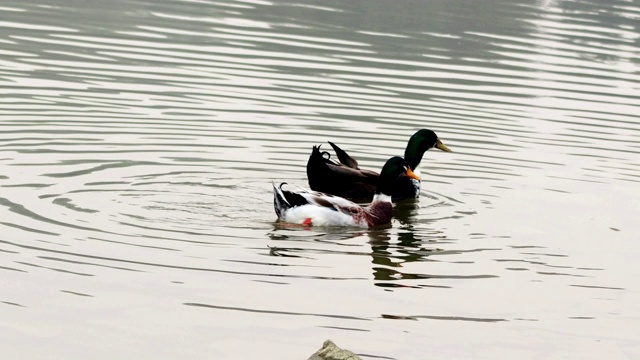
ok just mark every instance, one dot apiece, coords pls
pixel 139 139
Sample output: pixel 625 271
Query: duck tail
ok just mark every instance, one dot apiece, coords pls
pixel 317 168
pixel 280 203
pixel 316 156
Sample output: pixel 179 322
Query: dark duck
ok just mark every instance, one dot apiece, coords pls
pixel 346 179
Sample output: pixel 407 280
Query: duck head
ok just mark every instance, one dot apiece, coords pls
pixel 420 142
pixel 393 168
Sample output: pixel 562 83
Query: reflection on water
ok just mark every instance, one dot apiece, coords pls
pixel 139 141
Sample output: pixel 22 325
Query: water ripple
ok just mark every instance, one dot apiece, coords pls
pixel 139 143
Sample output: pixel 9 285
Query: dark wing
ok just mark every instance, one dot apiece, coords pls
pixel 343 174
pixel 337 179
pixel 292 198
pixel 344 158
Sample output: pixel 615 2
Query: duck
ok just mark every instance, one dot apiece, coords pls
pixel 346 179
pixel 312 208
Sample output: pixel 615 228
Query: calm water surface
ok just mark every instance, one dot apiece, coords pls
pixel 139 139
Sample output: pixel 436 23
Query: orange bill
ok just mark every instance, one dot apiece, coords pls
pixel 411 174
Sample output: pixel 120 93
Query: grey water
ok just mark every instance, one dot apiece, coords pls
pixel 139 140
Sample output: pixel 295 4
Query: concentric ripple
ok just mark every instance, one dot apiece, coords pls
pixel 139 142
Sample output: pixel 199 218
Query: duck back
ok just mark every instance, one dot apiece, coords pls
pixel 329 177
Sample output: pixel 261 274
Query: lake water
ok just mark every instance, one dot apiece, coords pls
pixel 139 139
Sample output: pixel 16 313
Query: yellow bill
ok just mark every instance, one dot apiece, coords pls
pixel 442 146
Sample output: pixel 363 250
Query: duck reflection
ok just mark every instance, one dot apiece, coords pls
pixel 388 256
pixel 290 241
pixel 282 231
pixel 391 247
pixel 405 211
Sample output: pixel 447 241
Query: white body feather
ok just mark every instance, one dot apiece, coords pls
pixel 326 210
pixel 320 216
pixel 416 183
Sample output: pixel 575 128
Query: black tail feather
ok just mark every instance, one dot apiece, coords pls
pixel 280 203
pixel 317 167
pixel 284 200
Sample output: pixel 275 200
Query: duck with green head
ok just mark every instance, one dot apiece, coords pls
pixel 346 179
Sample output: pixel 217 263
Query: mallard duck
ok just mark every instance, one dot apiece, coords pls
pixel 312 208
pixel 346 179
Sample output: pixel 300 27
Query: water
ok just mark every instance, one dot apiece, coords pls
pixel 138 142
